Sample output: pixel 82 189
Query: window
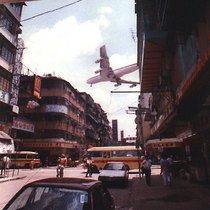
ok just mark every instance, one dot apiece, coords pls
pixel 17 8
pixel 118 154
pixel 4 84
pixel 7 54
pixel 96 154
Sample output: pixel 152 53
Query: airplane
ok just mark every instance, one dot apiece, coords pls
pixel 107 74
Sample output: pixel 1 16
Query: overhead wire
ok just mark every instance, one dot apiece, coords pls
pixel 111 113
pixel 44 13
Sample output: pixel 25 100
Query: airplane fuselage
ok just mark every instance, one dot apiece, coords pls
pixel 112 75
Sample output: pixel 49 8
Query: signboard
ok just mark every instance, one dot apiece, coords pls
pixel 37 86
pixel 56 108
pixel 4 96
pixel 22 124
pixel 114 131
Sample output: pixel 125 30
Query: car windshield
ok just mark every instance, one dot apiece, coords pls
pixel 113 166
pixel 50 198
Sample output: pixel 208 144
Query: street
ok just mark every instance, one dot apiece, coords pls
pixel 9 188
pixel 182 195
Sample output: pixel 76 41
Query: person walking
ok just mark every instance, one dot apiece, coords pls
pixel 5 164
pixel 147 170
pixel 165 170
pixel 89 167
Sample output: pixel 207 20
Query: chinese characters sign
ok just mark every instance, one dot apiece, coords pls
pixel 22 124
pixel 37 86
pixel 114 130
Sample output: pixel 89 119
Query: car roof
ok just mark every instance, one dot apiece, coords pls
pixel 73 183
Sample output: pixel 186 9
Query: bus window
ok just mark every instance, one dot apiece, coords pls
pixel 131 153
pixel 29 156
pixel 96 154
pixel 106 154
pixel 13 156
pixel 118 154
pixel 21 156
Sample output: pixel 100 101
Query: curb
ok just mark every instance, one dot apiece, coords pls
pixel 11 178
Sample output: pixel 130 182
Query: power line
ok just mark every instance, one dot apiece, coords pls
pixel 44 13
pixel 122 108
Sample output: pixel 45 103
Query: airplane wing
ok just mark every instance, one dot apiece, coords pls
pixel 121 81
pixel 126 70
pixel 107 74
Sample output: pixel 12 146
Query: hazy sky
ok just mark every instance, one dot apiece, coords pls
pixel 66 43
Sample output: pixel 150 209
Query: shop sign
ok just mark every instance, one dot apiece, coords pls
pixel 22 124
pixel 37 86
pixel 114 131
pixel 56 108
pixel 4 96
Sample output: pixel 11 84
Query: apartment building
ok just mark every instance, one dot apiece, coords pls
pixel 58 118
pixel 10 15
pixel 173 57
pixel 98 130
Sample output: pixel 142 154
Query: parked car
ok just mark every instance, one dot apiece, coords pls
pixel 62 193
pixel 114 172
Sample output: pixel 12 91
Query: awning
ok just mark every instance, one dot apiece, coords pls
pixel 154 45
pixel 5 136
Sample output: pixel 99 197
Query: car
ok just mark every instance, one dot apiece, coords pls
pixel 62 193
pixel 114 172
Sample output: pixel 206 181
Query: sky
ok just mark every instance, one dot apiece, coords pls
pixel 66 43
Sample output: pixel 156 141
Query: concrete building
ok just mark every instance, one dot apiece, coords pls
pixel 98 130
pixel 143 119
pixel 59 118
pixel 10 15
pixel 173 57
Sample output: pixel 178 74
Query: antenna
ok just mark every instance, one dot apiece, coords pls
pixel 133 35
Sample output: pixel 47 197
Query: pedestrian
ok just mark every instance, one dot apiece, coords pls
pixel 165 170
pixel 170 160
pixel 5 164
pixel 142 166
pixel 89 167
pixel 147 170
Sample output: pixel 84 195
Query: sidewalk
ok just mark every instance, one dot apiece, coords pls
pixel 182 195
pixel 10 177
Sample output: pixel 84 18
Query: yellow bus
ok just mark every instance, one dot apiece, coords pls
pixel 22 159
pixel 126 154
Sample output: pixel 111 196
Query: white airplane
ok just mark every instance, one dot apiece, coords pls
pixel 107 74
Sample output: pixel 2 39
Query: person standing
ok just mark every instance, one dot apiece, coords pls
pixel 165 170
pixel 147 170
pixel 89 167
pixel 142 166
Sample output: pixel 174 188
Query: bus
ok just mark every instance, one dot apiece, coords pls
pixel 127 154
pixel 22 159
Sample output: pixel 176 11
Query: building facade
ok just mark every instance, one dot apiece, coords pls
pixel 173 57
pixel 59 118
pixel 10 15
pixel 98 130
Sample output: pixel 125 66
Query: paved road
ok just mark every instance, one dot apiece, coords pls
pixel 9 188
pixel 137 196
